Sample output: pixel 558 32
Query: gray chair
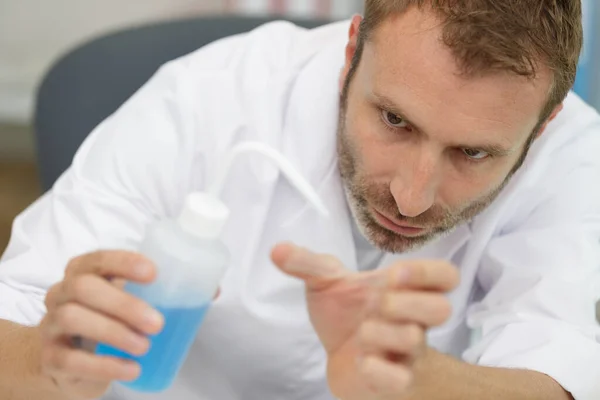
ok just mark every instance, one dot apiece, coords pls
pixel 89 83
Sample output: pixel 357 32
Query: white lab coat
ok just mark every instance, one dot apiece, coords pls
pixel 528 263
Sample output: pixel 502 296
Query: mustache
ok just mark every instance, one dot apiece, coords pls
pixel 379 196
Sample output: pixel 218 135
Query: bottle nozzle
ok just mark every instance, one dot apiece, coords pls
pixel 282 163
pixel 204 215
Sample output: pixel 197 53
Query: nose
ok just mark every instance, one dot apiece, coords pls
pixel 415 183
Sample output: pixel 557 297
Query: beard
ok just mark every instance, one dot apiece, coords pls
pixel 365 195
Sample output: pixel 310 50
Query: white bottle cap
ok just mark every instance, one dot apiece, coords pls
pixel 203 215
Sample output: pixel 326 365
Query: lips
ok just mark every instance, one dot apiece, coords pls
pixel 398 228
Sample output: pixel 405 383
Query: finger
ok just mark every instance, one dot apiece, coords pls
pixel 57 294
pixel 424 308
pixel 317 270
pixel 428 275
pixel 52 296
pixel 101 296
pixel 385 377
pixel 118 283
pixel 114 264
pixel 75 320
pixel 379 337
pixel 61 359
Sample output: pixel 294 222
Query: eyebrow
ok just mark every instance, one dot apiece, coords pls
pixel 387 104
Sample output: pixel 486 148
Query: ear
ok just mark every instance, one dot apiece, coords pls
pixel 350 48
pixel 555 112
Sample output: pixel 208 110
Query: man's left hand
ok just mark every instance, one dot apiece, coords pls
pixel 372 324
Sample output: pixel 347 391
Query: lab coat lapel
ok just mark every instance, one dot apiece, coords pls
pixel 309 141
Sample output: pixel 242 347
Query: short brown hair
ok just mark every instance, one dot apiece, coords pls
pixel 488 36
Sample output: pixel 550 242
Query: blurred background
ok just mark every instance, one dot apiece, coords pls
pixel 34 34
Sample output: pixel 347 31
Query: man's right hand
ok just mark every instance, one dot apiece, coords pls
pixel 90 304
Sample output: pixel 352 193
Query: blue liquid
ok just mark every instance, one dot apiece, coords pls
pixel 168 349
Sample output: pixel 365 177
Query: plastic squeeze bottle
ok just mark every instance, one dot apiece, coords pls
pixel 191 261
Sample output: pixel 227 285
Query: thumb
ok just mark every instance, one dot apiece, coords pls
pixel 316 270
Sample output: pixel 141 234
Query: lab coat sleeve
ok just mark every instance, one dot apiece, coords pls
pixel 135 167
pixel 540 281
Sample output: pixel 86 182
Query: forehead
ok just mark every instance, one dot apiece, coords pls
pixel 406 61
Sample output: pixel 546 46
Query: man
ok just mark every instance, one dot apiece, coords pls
pixel 457 144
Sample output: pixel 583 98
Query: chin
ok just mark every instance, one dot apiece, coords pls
pixel 389 241
pixel 394 243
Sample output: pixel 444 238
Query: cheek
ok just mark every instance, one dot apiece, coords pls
pixel 461 187
pixel 376 157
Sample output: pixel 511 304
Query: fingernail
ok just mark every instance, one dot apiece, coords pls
pixel 403 276
pixel 142 270
pixel 130 370
pixel 138 344
pixel 153 318
pixel 373 303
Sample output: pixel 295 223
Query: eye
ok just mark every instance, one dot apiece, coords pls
pixel 475 154
pixel 393 120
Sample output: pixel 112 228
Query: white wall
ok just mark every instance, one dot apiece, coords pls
pixel 33 33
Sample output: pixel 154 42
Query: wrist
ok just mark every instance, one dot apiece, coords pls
pixel 21 374
pixel 33 374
